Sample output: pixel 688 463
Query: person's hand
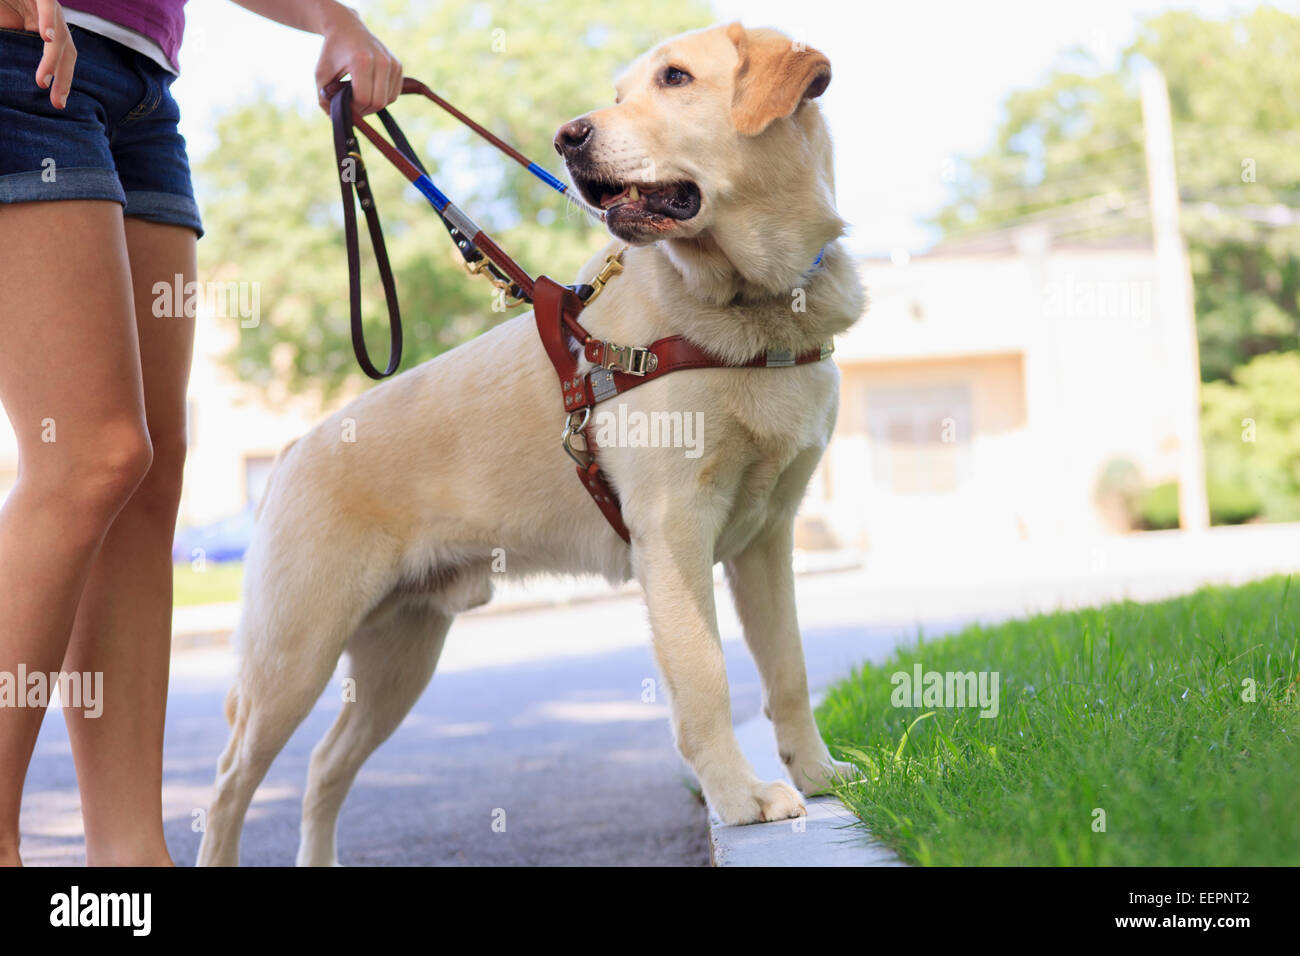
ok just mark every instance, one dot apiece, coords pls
pixel 350 48
pixel 45 17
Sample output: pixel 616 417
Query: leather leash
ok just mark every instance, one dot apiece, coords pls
pixel 616 368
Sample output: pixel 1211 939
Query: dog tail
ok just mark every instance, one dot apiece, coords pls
pixel 232 704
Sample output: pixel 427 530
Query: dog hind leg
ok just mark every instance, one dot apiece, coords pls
pixel 392 660
pixel 292 633
pixel 269 706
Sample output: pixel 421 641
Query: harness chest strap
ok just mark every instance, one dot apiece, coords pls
pixel 619 369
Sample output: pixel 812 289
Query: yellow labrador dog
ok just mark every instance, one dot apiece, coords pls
pixel 381 524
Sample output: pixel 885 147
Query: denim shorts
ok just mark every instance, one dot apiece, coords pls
pixel 117 140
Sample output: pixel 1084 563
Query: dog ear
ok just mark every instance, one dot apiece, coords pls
pixel 775 74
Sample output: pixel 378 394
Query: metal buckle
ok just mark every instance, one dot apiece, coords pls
pixel 632 359
pixel 780 358
pixel 479 267
pixel 612 267
pixel 571 430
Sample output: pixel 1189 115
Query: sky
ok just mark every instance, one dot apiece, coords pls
pixel 915 82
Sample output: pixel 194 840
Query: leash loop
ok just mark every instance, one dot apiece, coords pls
pixel 355 187
pixel 481 255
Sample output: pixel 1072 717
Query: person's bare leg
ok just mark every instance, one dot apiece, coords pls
pixel 124 624
pixel 70 384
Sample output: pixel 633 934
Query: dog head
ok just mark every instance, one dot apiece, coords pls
pixel 704 129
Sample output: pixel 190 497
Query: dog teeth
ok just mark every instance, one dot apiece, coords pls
pixel 631 194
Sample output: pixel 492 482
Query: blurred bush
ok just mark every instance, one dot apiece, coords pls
pixel 1157 509
pixel 1231 502
pixel 1251 429
pixel 1119 493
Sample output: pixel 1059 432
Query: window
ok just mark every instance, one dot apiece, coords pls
pixel 920 438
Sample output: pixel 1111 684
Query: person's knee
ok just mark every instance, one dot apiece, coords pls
pixel 119 464
pixel 160 491
pixel 96 475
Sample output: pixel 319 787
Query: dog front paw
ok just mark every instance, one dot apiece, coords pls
pixel 820 775
pixel 759 802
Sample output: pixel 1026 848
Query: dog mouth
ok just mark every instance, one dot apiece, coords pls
pixel 648 205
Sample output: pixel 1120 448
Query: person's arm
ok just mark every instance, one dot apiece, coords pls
pixel 349 48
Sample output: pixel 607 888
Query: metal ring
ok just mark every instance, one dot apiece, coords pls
pixel 571 430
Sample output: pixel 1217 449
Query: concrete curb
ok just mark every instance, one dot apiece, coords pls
pixel 827 836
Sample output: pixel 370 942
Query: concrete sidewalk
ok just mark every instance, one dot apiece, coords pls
pixel 829 835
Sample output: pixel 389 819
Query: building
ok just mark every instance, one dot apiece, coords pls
pixel 987 389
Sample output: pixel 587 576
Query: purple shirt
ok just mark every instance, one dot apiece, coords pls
pixel 162 21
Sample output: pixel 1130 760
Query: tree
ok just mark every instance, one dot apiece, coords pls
pixel 272 209
pixel 1072 150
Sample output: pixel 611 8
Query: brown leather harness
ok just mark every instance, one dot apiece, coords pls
pixel 615 368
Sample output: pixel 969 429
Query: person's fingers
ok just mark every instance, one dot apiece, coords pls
pixel 375 74
pixel 385 67
pixel 383 81
pixel 58 60
pixel 49 59
pixel 326 73
pixel 395 79
pixel 362 69
pixel 46 27
pixel 63 76
pixel 321 97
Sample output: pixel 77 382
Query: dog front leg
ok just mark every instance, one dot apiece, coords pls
pixel 762 586
pixel 676 572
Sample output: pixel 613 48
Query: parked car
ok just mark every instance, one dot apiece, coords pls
pixel 223 540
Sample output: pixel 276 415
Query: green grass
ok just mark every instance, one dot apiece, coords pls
pixel 1133 709
pixel 215 584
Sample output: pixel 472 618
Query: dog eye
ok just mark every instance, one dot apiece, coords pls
pixel 672 76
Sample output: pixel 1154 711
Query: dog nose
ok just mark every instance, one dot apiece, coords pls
pixel 573 137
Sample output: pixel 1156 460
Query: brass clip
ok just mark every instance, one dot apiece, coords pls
pixel 612 267
pixel 479 267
